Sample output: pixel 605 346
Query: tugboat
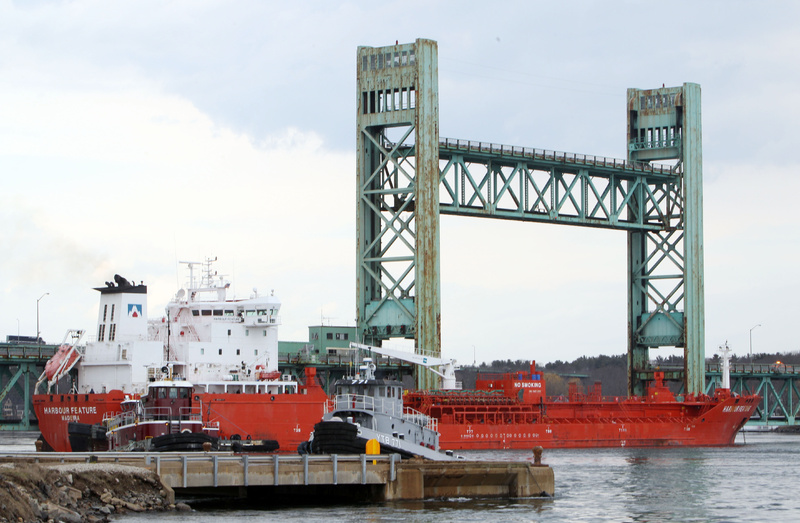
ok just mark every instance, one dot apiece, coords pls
pixel 366 408
pixel 162 420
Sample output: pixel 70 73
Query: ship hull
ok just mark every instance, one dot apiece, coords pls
pixel 56 411
pixel 285 418
pixel 339 437
pixel 611 424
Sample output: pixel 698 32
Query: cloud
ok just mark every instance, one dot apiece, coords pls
pixel 134 135
pixel 129 180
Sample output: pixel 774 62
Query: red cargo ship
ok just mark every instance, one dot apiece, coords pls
pixel 512 411
pixel 226 348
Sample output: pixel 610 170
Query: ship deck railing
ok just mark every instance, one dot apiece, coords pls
pixel 153 414
pixel 389 406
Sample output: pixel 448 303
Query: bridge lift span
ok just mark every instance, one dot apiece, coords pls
pixel 408 176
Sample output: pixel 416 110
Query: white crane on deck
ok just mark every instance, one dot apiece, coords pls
pixel 446 368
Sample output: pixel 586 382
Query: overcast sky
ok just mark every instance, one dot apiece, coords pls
pixel 137 134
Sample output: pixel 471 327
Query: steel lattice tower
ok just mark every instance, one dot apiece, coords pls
pixel 407 176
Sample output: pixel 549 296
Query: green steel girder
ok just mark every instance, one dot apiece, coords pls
pixel 386 197
pixel 11 382
pixel 776 402
pixel 665 268
pixel 28 371
pixel 397 199
pixel 779 391
pixel 497 181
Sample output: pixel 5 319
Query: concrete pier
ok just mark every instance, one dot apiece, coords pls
pixel 358 477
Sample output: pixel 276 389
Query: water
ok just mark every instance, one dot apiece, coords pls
pixel 749 482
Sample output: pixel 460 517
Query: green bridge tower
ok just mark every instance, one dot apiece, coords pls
pixel 407 176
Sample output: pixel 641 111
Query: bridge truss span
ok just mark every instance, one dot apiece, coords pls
pixel 527 184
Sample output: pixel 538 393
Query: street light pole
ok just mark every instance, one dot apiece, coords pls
pixel 751 343
pixel 38 333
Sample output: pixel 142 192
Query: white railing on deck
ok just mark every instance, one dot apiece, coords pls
pixel 392 407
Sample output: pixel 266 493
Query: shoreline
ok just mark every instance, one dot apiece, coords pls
pixel 75 492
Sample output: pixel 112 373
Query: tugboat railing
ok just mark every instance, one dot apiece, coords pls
pixel 388 406
pixel 153 414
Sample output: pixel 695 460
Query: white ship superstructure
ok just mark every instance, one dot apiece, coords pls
pixel 219 344
pixel 118 355
pixel 208 338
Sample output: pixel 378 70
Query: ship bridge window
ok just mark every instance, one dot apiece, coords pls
pixel 195 312
pixel 173 393
pixel 263 312
pixel 162 393
pixel 249 313
pixel 217 313
pixel 206 312
pixel 228 313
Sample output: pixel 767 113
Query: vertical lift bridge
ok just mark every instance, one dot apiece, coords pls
pixel 408 176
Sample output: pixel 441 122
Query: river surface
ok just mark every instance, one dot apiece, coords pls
pixel 752 481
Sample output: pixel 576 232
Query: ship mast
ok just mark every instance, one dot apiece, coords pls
pixel 726 365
